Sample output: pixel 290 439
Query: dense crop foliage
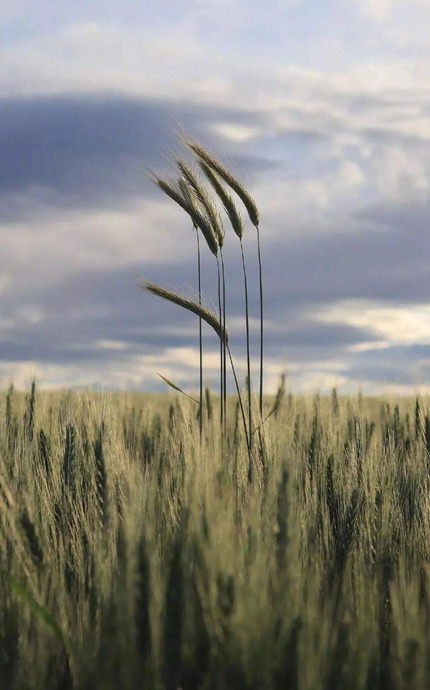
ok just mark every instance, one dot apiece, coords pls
pixel 131 556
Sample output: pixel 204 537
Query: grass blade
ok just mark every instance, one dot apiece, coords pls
pixel 39 611
pixel 176 388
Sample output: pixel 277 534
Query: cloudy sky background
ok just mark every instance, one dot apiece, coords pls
pixel 322 107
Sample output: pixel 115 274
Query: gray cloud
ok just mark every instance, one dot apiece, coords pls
pixel 92 151
pixel 107 305
pixel 387 263
pixel 370 236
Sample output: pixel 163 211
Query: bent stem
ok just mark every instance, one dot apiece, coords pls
pixel 240 402
pixel 224 349
pixel 200 335
pixel 248 356
pixel 221 349
pixel 261 320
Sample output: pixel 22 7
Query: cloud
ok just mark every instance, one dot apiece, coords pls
pixel 89 151
pixel 239 133
pixel 406 324
pixel 332 139
pixel 384 9
pixel 380 9
pixel 98 320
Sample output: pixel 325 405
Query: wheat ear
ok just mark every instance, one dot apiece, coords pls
pixel 237 226
pixel 198 219
pixel 226 199
pixel 217 167
pixel 208 316
pixel 197 195
pixel 209 209
pixel 228 178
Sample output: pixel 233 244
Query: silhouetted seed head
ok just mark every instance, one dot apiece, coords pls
pixel 208 316
pixel 32 540
pixel 232 182
pixel 208 233
pixel 209 407
pixel 200 220
pixel 31 402
pixel 209 210
pixel 69 458
pixel 170 188
pixel 45 453
pixel 188 196
pixel 226 200
pixel 101 479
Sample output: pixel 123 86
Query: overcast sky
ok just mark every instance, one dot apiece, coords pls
pixel 321 108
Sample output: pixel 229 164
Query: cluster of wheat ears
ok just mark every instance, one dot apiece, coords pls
pixel 192 195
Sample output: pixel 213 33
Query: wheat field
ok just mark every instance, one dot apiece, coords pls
pixel 132 556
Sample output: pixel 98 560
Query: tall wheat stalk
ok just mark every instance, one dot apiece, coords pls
pixel 237 225
pixel 199 198
pixel 182 194
pixel 192 196
pixel 222 347
pixel 212 320
pixel 224 364
pixel 213 165
pixel 248 354
pixel 191 203
pixel 199 279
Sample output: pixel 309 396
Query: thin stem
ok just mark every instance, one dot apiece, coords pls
pixel 200 335
pixel 248 355
pixel 224 348
pixel 261 322
pixel 220 349
pixel 240 401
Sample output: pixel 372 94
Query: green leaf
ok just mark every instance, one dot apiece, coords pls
pixel 39 611
pixel 176 388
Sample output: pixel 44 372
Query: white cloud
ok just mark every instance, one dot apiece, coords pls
pixel 380 9
pixel 59 244
pixel 237 133
pixel 111 345
pixel 369 347
pixel 140 373
pixel 180 365
pixel 24 316
pixel 383 9
pixel 309 382
pixel 395 325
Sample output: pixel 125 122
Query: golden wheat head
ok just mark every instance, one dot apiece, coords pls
pixel 185 202
pixel 226 200
pixel 201 195
pixel 206 314
pixel 228 178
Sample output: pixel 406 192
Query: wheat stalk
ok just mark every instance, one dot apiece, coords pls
pixel 226 199
pixel 235 220
pixel 192 196
pixel 211 319
pixel 208 316
pixel 198 219
pixel 237 226
pixel 222 171
pixel 209 208
pixel 197 195
pixel 217 167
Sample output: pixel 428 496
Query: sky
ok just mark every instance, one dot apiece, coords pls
pixel 322 109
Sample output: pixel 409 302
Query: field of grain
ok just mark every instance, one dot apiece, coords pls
pixel 132 555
